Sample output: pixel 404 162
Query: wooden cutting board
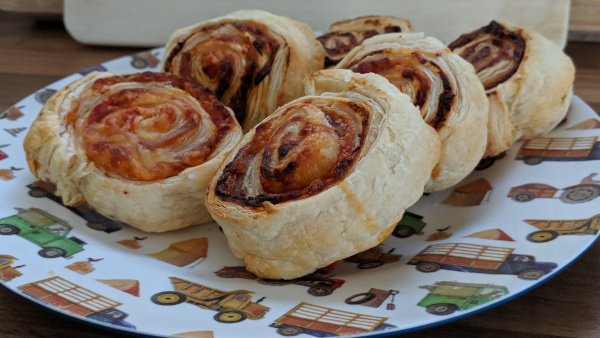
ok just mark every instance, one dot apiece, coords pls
pixel 151 22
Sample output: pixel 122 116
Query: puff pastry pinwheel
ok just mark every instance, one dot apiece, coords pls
pixel 347 34
pixel 253 60
pixel 324 177
pixel 444 87
pixel 138 148
pixel 528 81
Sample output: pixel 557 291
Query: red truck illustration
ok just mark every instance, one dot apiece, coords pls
pixel 76 300
pixel 535 151
pixel 144 59
pixel 481 259
pixel 552 228
pixel 587 190
pixel 320 321
pixel 231 306
pixel 317 286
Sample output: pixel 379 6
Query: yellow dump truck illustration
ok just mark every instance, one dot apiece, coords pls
pixel 320 321
pixel 552 228
pixel 231 306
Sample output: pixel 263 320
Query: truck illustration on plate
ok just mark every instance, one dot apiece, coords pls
pixel 552 228
pixel 320 321
pixel 43 229
pixel 587 190
pixel 409 225
pixel 144 59
pixel 231 306
pixel 77 300
pixel 7 271
pixel 96 221
pixel 535 151
pixel 480 258
pixel 373 258
pixel 317 286
pixel 446 297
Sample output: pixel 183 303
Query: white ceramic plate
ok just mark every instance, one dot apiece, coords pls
pixel 497 234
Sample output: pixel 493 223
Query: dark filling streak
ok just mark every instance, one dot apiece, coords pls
pixel 229 185
pixel 503 39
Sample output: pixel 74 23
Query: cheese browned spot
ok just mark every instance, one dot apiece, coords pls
pixel 146 126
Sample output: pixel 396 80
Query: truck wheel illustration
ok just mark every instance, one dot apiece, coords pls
pixel 441 309
pixel 289 331
pixel 276 282
pixel 168 298
pixel 51 252
pixel 533 160
pixel 402 231
pixel 230 316
pixel 37 193
pixel 7 229
pixel 359 298
pixel 428 267
pixel 542 236
pixel 320 290
pixel 580 194
pixel 226 275
pixel 523 197
pixel 139 63
pixel 531 274
pixel 485 163
pixel 370 264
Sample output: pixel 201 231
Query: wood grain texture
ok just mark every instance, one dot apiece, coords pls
pixel 33 54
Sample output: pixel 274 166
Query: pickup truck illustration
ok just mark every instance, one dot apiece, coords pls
pixel 587 190
pixel 317 286
pixel 96 221
pixel 322 321
pixel 536 150
pixel 552 228
pixel 409 225
pixel 43 229
pixel 445 298
pixel 373 258
pixel 231 306
pixel 480 258
pixel 77 300
pixel 144 59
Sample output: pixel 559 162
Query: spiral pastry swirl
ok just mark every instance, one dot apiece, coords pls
pixel 443 87
pixel 527 78
pixel 347 34
pixel 305 187
pixel 136 147
pixel 253 60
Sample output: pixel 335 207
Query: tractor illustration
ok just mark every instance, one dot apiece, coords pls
pixel 409 225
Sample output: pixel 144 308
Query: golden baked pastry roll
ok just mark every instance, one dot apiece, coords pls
pixel 528 81
pixel 253 60
pixel 347 34
pixel 324 177
pixel 444 87
pixel 138 148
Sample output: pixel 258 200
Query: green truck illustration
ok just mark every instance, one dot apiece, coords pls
pixel 446 297
pixel 43 229
pixel 409 225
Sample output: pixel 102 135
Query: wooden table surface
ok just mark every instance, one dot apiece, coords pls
pixel 35 53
